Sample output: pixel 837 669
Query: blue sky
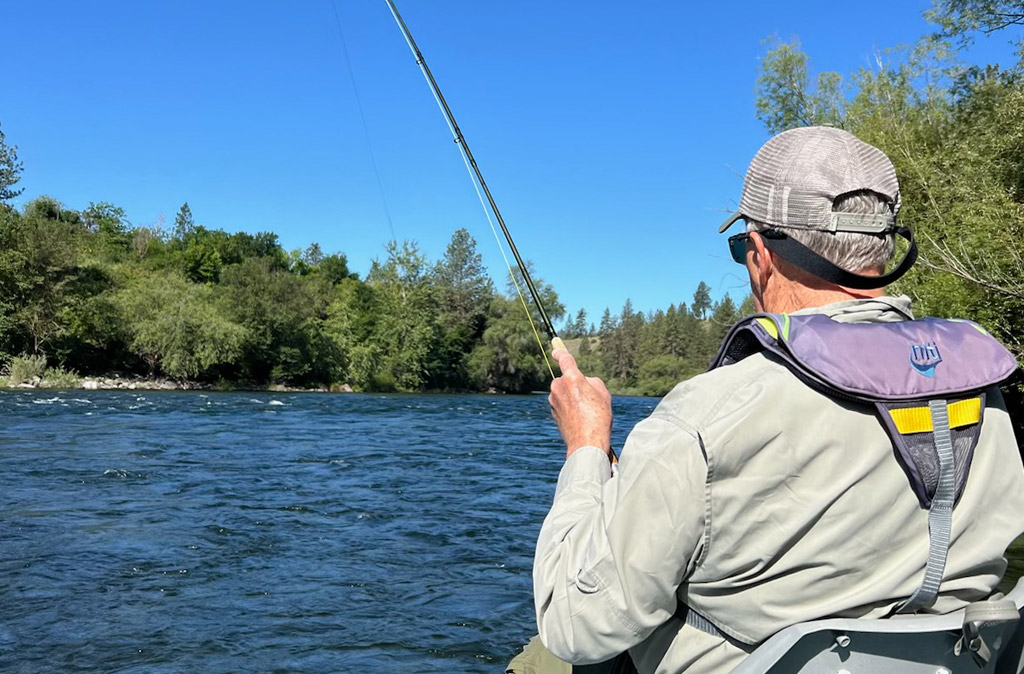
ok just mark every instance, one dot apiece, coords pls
pixel 614 135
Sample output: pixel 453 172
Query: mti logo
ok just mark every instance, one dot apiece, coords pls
pixel 924 358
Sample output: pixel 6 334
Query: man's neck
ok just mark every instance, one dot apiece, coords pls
pixel 797 297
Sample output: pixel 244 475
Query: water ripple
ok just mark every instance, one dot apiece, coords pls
pixel 182 531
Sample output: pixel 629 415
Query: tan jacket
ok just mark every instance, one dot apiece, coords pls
pixel 760 503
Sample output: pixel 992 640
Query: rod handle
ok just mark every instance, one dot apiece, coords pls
pixel 557 343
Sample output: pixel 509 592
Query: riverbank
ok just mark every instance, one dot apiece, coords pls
pixel 120 383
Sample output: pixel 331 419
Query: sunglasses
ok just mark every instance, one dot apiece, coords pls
pixel 738 247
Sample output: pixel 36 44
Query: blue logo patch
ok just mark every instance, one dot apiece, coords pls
pixel 924 358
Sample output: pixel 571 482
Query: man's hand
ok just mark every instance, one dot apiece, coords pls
pixel 582 407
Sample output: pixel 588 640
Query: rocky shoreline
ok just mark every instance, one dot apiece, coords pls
pixel 116 383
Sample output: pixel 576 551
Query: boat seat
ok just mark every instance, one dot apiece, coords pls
pixel 984 637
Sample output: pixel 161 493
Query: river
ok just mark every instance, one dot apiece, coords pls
pixel 226 532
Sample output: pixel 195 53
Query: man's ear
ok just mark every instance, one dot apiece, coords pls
pixel 763 261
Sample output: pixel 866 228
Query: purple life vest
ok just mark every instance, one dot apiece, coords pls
pixel 925 378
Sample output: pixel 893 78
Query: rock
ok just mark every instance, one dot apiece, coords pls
pixel 341 388
pixel 26 385
pixel 90 384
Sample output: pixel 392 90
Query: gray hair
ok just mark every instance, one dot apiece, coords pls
pixel 851 251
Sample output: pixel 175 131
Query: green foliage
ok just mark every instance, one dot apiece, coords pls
pixel 648 355
pixel 786 98
pixel 508 358
pixel 59 377
pixel 955 135
pixel 89 292
pixel 10 170
pixel 660 374
pixel 964 18
pixel 184 224
pixel 463 294
pixel 701 301
pixel 176 327
pixel 24 369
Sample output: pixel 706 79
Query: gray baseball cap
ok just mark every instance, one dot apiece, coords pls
pixel 796 176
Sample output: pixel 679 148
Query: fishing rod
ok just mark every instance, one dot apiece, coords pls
pixel 471 164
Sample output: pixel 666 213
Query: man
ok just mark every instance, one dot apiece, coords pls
pixel 750 501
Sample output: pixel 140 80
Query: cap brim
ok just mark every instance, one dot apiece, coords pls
pixel 730 222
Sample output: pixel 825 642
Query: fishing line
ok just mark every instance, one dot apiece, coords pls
pixel 362 117
pixel 481 191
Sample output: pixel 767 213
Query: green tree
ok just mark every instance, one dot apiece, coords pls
pixel 786 98
pixel 509 357
pixel 184 224
pixel 176 327
pixel 110 226
pixel 39 259
pixel 463 296
pixel 723 316
pixel 965 18
pixel 283 315
pixel 701 301
pixel 10 170
pixel 580 325
pixel 405 330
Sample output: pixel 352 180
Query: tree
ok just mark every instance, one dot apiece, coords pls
pixel 580 326
pixel 620 347
pixel 176 326
pixel 313 255
pixel 184 225
pixel 607 323
pixel 463 296
pixel 701 301
pixel 786 98
pixel 963 18
pixel 509 357
pixel 334 268
pixel 10 170
pixel 284 316
pixel 723 316
pixel 405 330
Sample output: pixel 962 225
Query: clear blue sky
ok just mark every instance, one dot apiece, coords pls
pixel 614 135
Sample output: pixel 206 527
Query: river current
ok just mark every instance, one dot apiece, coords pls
pixel 230 532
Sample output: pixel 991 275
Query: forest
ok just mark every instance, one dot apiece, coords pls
pixel 85 293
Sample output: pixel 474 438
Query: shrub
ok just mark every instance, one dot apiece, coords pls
pixel 23 369
pixel 58 377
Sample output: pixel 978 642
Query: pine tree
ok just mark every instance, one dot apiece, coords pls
pixel 184 225
pixel 701 301
pixel 580 326
pixel 607 323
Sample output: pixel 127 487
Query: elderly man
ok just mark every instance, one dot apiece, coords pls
pixel 757 496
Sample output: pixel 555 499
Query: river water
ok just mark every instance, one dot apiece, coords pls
pixel 195 532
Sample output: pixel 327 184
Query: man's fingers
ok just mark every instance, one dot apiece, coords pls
pixel 566 362
pixel 600 387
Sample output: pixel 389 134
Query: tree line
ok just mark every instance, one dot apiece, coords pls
pixel 92 294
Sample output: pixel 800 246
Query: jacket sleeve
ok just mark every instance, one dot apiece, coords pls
pixel 613 550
